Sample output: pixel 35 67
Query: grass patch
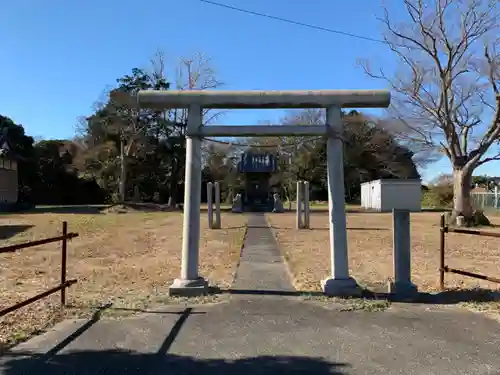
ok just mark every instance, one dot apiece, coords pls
pixel 351 303
pixel 127 259
pixel 370 251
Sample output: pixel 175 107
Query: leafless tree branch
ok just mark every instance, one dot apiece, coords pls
pixel 448 76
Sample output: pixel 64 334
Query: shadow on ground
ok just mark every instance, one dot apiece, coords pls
pixel 8 231
pixel 448 297
pixel 348 228
pixel 365 211
pixel 73 209
pixel 102 209
pixel 290 228
pixel 115 208
pixel 116 361
pixel 152 207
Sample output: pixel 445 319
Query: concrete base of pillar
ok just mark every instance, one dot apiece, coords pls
pixel 403 290
pixel 341 288
pixel 188 288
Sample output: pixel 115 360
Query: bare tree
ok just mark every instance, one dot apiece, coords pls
pixel 193 73
pixel 445 87
pixel 196 73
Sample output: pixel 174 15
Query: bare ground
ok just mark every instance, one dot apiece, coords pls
pixel 370 250
pixel 128 259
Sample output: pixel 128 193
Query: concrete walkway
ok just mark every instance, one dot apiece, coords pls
pixel 267 335
pixel 261 265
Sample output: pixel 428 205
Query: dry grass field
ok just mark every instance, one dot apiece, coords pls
pixel 128 259
pixel 370 250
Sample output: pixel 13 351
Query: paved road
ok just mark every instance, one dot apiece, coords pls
pixel 267 335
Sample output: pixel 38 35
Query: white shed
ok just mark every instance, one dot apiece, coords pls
pixel 386 195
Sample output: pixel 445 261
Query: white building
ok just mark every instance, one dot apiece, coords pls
pixel 386 195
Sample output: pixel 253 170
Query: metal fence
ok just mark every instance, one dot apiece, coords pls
pixel 487 201
pixel 443 268
pixel 64 282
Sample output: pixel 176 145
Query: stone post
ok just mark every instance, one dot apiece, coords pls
pixel 340 283
pixel 237 204
pixel 299 204
pixel 137 194
pixel 278 204
pixel 210 205
pixel 217 206
pixel 307 217
pixel 402 285
pixel 190 283
pixel 496 198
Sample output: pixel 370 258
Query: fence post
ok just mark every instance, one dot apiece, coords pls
pixel 442 232
pixel 64 250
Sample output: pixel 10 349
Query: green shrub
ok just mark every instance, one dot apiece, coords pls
pixel 438 196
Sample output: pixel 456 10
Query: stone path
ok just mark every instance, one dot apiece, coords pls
pixel 261 265
pixel 266 335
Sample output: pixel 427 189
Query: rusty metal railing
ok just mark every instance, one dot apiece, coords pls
pixel 443 268
pixel 64 256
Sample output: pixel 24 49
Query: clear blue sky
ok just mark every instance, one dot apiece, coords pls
pixel 58 56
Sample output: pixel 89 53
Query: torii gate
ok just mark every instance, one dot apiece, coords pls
pixel 190 283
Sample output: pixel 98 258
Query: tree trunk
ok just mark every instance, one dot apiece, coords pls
pixel 462 186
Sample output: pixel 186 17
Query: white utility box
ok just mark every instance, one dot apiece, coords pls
pixel 386 195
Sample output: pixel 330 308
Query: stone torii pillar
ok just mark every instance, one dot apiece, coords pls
pixel 190 282
pixel 339 281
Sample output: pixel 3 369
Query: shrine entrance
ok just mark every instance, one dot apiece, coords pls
pixel 257 169
pixel 190 283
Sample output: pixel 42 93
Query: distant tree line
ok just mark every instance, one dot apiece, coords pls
pixel 123 154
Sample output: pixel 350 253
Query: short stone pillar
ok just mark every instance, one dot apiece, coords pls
pixel 217 224
pixel 278 204
pixel 303 214
pixel 210 208
pixel 307 216
pixel 237 204
pixel 137 194
pixel 211 187
pixel 402 285
pixel 300 189
pixel 156 197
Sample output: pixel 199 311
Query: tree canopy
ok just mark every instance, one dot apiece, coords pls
pixel 123 154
